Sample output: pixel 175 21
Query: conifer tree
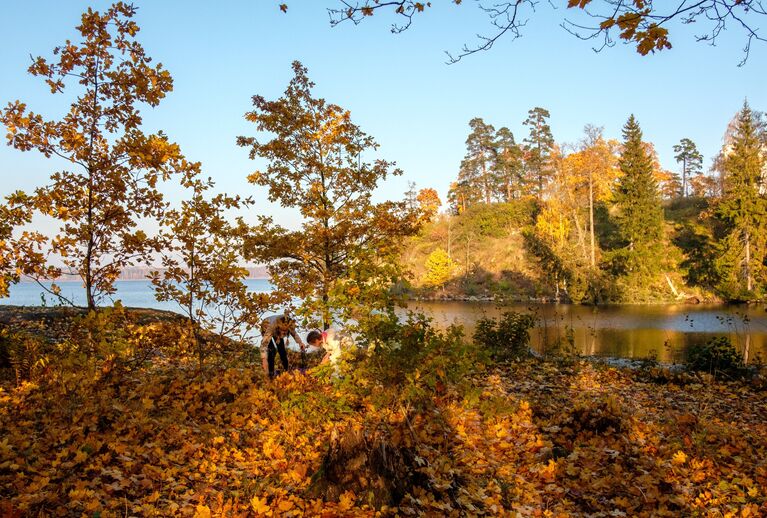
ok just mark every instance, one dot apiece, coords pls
pixel 743 210
pixel 538 146
pixel 507 167
pixel 477 166
pixel 641 215
pixel 692 161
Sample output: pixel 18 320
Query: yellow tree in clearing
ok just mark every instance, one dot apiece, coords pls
pixel 439 269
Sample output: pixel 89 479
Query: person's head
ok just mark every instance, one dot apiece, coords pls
pixel 314 338
pixel 285 324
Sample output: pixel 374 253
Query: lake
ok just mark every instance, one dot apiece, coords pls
pixel 630 331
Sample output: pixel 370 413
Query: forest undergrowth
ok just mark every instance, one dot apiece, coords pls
pixel 420 422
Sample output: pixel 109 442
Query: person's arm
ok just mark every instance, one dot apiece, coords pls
pixel 297 338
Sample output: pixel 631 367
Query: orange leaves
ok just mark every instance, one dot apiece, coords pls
pixel 531 438
pixel 260 507
pixel 679 458
pixel 284 8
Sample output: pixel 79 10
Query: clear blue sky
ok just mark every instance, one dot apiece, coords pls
pixel 397 86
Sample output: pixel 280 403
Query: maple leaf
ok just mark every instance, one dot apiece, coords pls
pixel 284 8
pixel 679 458
pixel 260 506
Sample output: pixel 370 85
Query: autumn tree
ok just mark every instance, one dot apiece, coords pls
pixel 477 166
pixel 640 213
pixel 640 23
pixel 594 167
pixel 743 210
pixel 203 268
pixel 704 185
pixel 538 146
pixel 112 167
pixel 669 183
pixel 342 261
pixel 428 203
pixel 692 161
pixel 439 269
pixel 459 196
pixel 13 214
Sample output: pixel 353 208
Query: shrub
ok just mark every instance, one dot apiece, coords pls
pixel 717 356
pixel 496 219
pixel 408 363
pixel 506 338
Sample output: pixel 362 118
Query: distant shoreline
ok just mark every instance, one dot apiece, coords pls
pixel 124 280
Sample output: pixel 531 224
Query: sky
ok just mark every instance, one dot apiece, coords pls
pixel 397 86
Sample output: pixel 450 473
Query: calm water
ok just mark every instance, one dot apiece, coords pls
pixel 635 331
pixel 631 331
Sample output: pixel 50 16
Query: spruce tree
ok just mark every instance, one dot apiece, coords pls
pixel 743 211
pixel 641 215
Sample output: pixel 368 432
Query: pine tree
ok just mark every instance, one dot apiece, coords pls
pixel 476 167
pixel 641 215
pixel 692 161
pixel 538 149
pixel 743 210
pixel 507 168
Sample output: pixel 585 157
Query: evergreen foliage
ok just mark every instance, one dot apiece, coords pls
pixel 477 166
pixel 742 212
pixel 641 215
pixel 692 161
pixel 538 146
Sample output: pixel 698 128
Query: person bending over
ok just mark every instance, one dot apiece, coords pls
pixel 274 334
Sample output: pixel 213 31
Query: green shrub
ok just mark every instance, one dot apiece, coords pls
pixel 507 337
pixel 717 356
pixel 408 363
pixel 496 219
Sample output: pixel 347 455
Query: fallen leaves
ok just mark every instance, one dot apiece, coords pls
pixel 172 441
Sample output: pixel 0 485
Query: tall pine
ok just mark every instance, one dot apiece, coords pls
pixel 477 166
pixel 743 211
pixel 538 147
pixel 640 216
pixel 692 161
pixel 507 167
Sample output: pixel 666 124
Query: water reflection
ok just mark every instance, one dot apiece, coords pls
pixel 635 331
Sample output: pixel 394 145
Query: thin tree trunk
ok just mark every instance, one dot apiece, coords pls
pixel 591 218
pixel 747 265
pixel 581 240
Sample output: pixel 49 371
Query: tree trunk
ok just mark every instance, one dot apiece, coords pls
pixel 747 265
pixel 89 250
pixel 591 218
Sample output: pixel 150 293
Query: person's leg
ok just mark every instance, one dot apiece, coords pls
pixel 283 354
pixel 270 353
